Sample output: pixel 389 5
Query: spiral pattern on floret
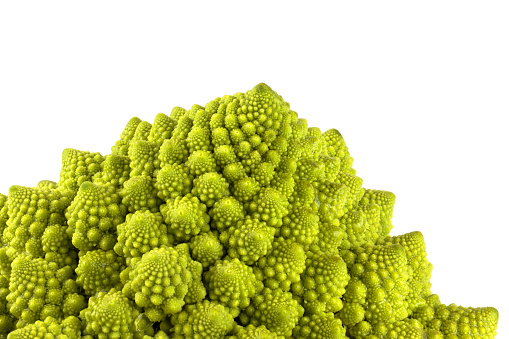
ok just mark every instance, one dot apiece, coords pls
pixel 232 283
pixel 159 281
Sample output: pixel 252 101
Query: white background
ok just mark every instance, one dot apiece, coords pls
pixel 419 91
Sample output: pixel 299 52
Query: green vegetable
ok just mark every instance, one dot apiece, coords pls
pixel 253 332
pixel 274 309
pixel 205 319
pixel 69 327
pixel 319 326
pixel 232 283
pixel 159 282
pixel 99 271
pixel 446 321
pixel 112 315
pixel 234 219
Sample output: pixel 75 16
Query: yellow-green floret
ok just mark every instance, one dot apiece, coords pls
pixel 5 262
pixel 401 329
pixel 419 268
pixel 201 162
pixel 253 332
pixel 173 151
pixel 245 189
pixel 278 311
pixel 4 216
pixel 319 326
pixel 57 247
pixel 378 287
pixel 177 112
pixel 270 206
pixel 206 248
pixel 357 229
pixel 205 319
pixel 30 211
pixel 354 187
pixel 330 237
pixel 386 201
pixel 322 283
pixel 210 187
pixel 172 181
pixel 141 133
pixel 452 321
pixel 226 213
pixel 232 283
pixel 143 231
pixel 93 217
pixel 69 328
pixel 303 194
pixel 110 315
pixel 283 265
pixel 114 171
pixel 336 147
pixel 99 271
pixel 139 194
pixel 196 290
pixel 225 154
pixel 162 129
pixel 284 183
pixel 122 145
pixel 332 166
pixel 7 320
pixel 143 156
pixel 37 289
pixel 158 335
pixel 46 185
pixel 73 304
pixel 199 138
pixel 300 225
pixel 329 200
pixel 78 167
pixel 309 170
pixel 264 173
pixel 220 136
pixel 249 240
pixel 158 282
pixel 234 172
pixel 186 217
pixel 184 125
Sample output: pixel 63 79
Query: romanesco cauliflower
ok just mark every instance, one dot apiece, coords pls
pixel 233 219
